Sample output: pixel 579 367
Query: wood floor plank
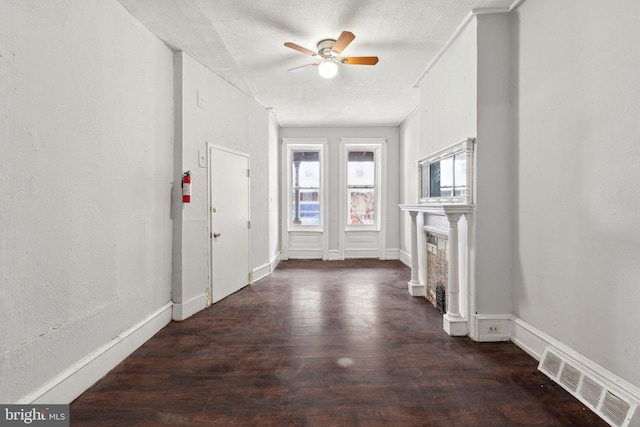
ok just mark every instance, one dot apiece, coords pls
pixel 318 343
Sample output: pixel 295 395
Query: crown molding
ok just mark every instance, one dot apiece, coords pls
pixel 456 34
pixel 516 4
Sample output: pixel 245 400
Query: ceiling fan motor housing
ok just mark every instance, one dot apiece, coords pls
pixel 325 49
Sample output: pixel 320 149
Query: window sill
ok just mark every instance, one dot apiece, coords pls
pixel 357 228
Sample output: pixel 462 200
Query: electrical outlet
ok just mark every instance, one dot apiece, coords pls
pixel 494 329
pixel 200 99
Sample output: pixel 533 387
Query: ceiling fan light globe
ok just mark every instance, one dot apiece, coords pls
pixel 328 69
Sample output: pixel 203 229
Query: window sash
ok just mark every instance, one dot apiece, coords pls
pixel 362 212
pixel 305 214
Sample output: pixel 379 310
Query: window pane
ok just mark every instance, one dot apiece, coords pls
pixel 424 176
pixel 434 179
pixel 309 207
pixel 446 177
pixel 361 206
pixel 305 187
pixel 305 168
pixel 361 168
pixel 460 166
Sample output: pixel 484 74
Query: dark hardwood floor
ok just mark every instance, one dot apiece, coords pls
pixel 317 343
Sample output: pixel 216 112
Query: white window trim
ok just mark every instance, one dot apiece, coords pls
pixel 289 144
pixel 379 146
pixel 310 148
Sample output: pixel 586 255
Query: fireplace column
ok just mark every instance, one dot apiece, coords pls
pixel 416 289
pixel 453 322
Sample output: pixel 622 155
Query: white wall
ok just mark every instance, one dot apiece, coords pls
pixel 409 149
pixel 447 109
pixel 577 229
pixel 467 93
pixel 557 120
pixel 447 114
pixel 226 117
pixel 333 135
pixel 274 190
pixel 86 128
pixel 258 123
pixel 494 191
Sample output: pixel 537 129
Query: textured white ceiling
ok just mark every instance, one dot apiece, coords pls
pixel 242 41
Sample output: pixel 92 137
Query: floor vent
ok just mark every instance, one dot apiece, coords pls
pixel 570 377
pixel 595 392
pixel 615 409
pixel 591 391
pixel 550 364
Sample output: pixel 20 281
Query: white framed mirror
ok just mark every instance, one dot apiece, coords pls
pixel 446 176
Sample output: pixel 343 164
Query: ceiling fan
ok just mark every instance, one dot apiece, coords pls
pixel 328 51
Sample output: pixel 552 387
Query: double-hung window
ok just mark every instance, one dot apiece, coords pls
pixel 305 187
pixel 362 185
pixel 305 198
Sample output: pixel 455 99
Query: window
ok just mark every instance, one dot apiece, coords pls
pixel 361 188
pixel 304 186
pixel 362 161
pixel 304 172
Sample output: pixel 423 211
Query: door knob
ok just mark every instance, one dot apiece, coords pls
pixel 216 234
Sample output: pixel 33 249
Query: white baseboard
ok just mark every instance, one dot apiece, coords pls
pixel 275 261
pixel 529 338
pixel 534 342
pixel 392 254
pixel 405 258
pixel 261 272
pixel 361 253
pixel 266 269
pixel 71 383
pixel 336 255
pixel 493 327
pixel 183 310
pixel 305 254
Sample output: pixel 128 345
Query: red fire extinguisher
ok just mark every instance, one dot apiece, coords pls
pixel 186 187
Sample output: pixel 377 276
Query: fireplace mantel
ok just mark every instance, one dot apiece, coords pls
pixel 454 322
pixel 438 208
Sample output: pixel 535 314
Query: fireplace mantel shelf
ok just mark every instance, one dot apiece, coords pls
pixel 437 208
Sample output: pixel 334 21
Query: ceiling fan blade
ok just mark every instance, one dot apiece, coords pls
pixel 300 49
pixel 301 68
pixel 343 41
pixel 360 60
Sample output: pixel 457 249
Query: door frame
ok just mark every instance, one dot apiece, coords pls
pixel 210 147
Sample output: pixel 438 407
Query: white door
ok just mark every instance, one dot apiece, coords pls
pixel 229 174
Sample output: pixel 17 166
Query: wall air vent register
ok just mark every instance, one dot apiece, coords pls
pixel 600 395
